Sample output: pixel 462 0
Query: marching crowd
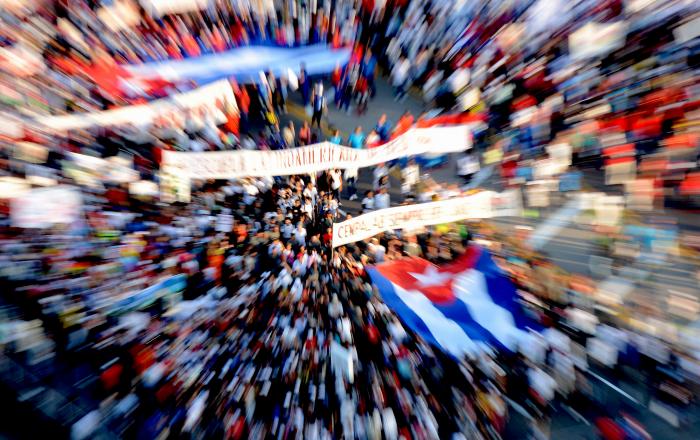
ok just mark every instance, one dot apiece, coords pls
pixel 276 336
pixel 258 328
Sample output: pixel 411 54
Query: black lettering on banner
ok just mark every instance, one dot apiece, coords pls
pixel 298 159
pixel 338 153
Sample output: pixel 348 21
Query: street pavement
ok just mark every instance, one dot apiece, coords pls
pixel 557 233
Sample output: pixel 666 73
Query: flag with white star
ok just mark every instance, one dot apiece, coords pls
pixel 461 307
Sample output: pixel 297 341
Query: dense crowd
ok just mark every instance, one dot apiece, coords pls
pixel 276 336
pixel 232 315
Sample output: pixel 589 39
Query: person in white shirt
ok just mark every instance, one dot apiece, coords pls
pixel 467 166
pixel 391 430
pixel 542 383
pixel 308 207
pixel 300 234
pixel 310 192
pixel 377 250
pixel 409 177
pixel 193 122
pixel 336 181
pixel 380 171
pixel 368 201
pixel 248 143
pixel 350 176
pixel 399 78
pixel 382 199
pixel 335 308
pixel 372 140
pixel 197 145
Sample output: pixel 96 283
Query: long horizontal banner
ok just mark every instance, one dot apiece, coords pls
pixel 207 96
pixel 314 158
pixel 486 204
pixel 244 64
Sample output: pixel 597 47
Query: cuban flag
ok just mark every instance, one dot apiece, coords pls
pixel 463 307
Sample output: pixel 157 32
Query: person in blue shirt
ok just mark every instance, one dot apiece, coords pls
pixel 319 105
pixel 335 139
pixel 304 86
pixel 369 65
pixel 357 138
pixel 383 128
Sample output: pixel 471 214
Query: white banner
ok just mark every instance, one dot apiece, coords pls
pixel 316 157
pixel 41 208
pixel 113 169
pixel 208 96
pixel 486 204
pixel 159 8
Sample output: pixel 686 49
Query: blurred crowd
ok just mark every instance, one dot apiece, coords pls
pixel 254 329
pixel 77 47
pixel 230 314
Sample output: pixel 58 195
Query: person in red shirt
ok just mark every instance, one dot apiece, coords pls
pixel 217 40
pixel 243 100
pixel 403 125
pixel 190 45
pixel 305 134
pixel 327 238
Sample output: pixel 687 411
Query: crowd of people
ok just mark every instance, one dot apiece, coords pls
pixel 275 335
pixel 233 315
pixel 76 47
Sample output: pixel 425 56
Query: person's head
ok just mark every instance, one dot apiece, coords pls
pixel 369 194
pixel 291 125
pixel 306 124
pixel 336 133
pixel 358 129
pixel 382 118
